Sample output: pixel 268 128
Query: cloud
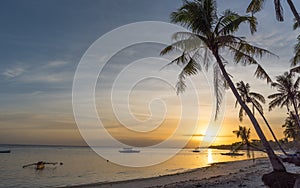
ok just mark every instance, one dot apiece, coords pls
pixel 50 72
pixel 13 72
pixel 47 77
pixel 52 64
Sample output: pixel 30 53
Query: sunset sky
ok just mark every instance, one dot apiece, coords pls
pixel 42 43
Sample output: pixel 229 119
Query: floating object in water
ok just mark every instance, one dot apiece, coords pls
pixel 129 150
pixel 40 165
pixel 196 150
pixel 4 150
pixel 233 154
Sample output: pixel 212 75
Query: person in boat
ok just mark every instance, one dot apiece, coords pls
pixel 40 165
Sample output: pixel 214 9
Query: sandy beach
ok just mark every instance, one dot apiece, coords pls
pixel 245 173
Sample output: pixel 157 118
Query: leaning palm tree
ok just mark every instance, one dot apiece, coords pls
pixel 257 5
pixel 202 46
pixel 255 99
pixel 287 95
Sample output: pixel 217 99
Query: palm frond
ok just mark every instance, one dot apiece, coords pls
pixel 258 106
pixel 231 22
pixel 276 102
pixel 262 74
pixel 180 85
pixel 296 24
pixel 198 16
pixel 236 104
pixel 258 96
pixel 219 88
pixel 190 68
pixel 255 6
pixel 167 50
pixel 275 95
pixel 241 114
pixel 241 57
pixel 251 50
pixel 296 84
pixel 296 59
pixel 186 45
pixel 296 69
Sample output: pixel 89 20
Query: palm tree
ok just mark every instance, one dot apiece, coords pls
pixel 244 134
pixel 249 97
pixel 290 125
pixel 296 59
pixel 257 5
pixel 287 95
pixel 255 99
pixel 202 46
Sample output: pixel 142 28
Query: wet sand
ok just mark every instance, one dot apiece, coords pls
pixel 245 173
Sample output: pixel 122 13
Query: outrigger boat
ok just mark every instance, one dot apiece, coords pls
pixel 196 150
pixel 4 150
pixel 129 150
pixel 233 154
pixel 40 165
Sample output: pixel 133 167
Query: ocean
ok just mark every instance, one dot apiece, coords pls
pixel 81 165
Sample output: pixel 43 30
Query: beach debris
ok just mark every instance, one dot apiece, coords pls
pixel 41 164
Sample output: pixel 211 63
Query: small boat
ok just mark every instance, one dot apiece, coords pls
pixel 129 150
pixel 196 150
pixel 233 154
pixel 41 164
pixel 4 150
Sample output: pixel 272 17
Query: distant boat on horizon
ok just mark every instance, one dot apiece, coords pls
pixel 4 150
pixel 196 150
pixel 129 150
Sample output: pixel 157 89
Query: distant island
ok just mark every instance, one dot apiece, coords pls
pixel 285 144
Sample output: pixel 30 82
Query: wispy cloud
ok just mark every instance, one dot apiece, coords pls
pixel 13 72
pixel 50 72
pixel 52 64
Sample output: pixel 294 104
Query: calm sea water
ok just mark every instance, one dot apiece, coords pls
pixel 81 165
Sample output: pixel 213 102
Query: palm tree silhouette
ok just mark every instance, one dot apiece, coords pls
pixel 255 99
pixel 287 95
pixel 244 134
pixel 296 59
pixel 201 47
pixel 257 5
pixel 290 125
pixel 249 97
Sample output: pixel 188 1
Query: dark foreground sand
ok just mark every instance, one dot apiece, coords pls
pixel 246 173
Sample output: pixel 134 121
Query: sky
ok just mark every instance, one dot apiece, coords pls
pixel 42 43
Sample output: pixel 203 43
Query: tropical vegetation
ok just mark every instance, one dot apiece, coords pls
pixel 210 34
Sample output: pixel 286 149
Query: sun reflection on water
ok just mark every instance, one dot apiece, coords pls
pixel 209 156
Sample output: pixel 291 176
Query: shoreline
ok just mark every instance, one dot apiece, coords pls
pixel 244 173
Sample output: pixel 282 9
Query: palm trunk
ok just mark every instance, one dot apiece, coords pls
pixel 268 125
pixel 294 11
pixel 276 163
